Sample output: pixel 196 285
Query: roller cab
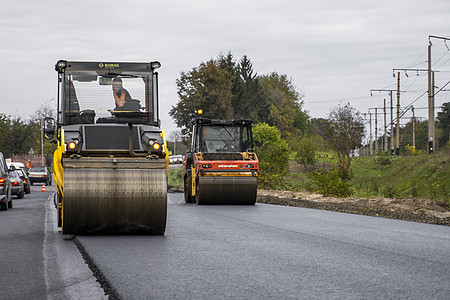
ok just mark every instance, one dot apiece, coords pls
pixel 221 167
pixel 110 167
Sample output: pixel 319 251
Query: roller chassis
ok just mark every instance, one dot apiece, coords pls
pixel 221 177
pixel 110 173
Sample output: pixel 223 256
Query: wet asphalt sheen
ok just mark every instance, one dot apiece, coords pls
pixel 225 252
pixel 275 252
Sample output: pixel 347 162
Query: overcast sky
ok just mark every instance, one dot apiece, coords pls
pixel 334 51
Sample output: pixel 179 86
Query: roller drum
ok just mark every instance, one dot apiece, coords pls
pixel 235 190
pixel 114 201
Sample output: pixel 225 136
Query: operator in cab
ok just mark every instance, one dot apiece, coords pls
pixel 121 95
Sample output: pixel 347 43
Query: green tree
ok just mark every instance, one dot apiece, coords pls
pixel 285 111
pixel 443 118
pixel 318 126
pixel 207 87
pixel 225 88
pixel 249 100
pixel 306 152
pixel 406 133
pixel 273 153
pixel 345 133
pixel 17 136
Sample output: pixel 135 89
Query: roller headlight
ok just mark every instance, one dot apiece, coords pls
pixel 72 145
pixel 156 146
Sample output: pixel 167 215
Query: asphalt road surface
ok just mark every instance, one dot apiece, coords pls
pixel 36 262
pixel 225 252
pixel 275 252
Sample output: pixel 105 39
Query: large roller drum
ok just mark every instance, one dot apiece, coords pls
pixel 114 201
pixel 235 190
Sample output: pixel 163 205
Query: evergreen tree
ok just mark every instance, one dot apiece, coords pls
pixel 208 87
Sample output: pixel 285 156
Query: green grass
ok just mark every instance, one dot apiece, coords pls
pixel 424 176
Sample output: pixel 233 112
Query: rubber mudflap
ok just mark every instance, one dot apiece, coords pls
pixel 114 201
pixel 235 190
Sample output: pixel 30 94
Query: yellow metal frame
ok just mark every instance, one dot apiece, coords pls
pixel 163 135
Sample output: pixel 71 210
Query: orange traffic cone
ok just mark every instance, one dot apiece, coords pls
pixel 43 187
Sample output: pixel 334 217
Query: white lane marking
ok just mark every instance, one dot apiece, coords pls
pixel 48 228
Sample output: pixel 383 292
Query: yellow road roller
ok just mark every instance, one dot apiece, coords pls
pixel 221 167
pixel 110 167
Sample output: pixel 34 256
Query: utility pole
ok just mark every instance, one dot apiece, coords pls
pixel 430 104
pixel 385 146
pixel 370 135
pixel 392 124
pixel 414 128
pixel 42 142
pixel 431 120
pixel 376 132
pixel 397 140
pixel 392 118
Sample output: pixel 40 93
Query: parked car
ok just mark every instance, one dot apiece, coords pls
pixel 20 168
pixel 26 181
pixel 171 159
pixel 5 185
pixel 16 165
pixel 178 159
pixel 17 184
pixel 39 174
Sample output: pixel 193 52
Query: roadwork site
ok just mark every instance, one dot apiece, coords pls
pixel 408 209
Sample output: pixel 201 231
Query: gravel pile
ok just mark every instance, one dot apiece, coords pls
pixel 409 209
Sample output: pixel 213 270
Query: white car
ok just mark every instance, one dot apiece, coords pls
pixel 40 175
pixel 178 159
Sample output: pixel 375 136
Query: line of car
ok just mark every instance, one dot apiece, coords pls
pixel 16 180
pixel 176 159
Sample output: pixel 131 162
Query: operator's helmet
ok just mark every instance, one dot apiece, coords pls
pixel 117 82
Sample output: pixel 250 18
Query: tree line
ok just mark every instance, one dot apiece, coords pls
pixel 226 88
pixel 229 88
pixel 19 135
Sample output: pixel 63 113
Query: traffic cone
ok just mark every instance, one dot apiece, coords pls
pixel 43 187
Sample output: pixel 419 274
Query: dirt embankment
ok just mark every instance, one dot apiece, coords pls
pixel 410 209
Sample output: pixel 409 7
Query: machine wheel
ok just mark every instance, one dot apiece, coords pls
pixel 226 190
pixel 28 190
pixel 5 206
pixel 114 201
pixel 20 195
pixel 187 190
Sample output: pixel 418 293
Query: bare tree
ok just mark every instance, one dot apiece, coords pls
pixel 345 133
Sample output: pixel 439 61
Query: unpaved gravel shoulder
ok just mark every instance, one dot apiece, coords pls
pixel 410 209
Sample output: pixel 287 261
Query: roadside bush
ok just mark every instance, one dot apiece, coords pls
pixel 306 153
pixel 175 177
pixel 410 150
pixel 390 191
pixel 382 160
pixel 273 153
pixel 329 183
